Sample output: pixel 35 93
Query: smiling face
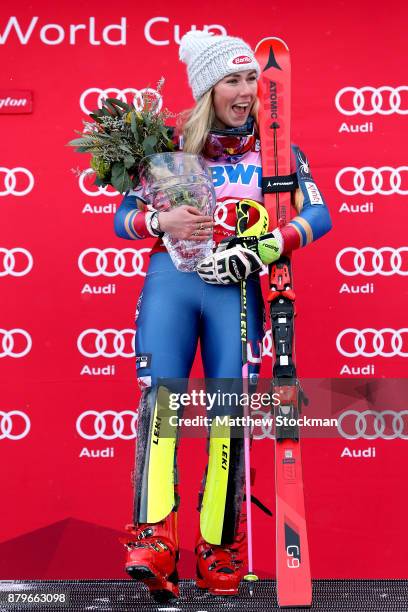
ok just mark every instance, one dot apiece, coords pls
pixel 233 97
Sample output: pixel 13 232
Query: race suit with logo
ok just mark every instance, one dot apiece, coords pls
pixel 178 309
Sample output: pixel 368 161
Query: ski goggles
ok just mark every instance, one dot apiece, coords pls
pixel 224 147
pixel 230 142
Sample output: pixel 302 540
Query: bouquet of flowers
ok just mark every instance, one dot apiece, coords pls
pixel 121 136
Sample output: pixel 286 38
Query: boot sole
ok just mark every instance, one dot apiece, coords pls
pixel 161 590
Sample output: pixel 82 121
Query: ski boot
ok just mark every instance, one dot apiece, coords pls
pixel 152 555
pixel 220 568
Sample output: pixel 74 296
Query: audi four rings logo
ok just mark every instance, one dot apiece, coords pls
pixel 107 425
pixel 96 190
pixel 369 180
pixel 371 425
pixel 15 181
pixel 15 343
pixel 14 425
pixel 376 338
pixel 112 262
pixel 383 100
pixel 11 264
pixel 107 343
pixel 374 262
pixel 87 100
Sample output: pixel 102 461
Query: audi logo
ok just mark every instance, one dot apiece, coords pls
pixel 107 343
pixel 96 190
pixel 376 338
pixel 13 183
pixel 372 98
pixel 92 425
pixel 93 97
pixel 9 263
pixel 353 425
pixel 14 343
pixel 369 180
pixel 96 262
pixel 13 420
pixel 376 264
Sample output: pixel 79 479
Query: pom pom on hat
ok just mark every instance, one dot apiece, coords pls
pixel 210 58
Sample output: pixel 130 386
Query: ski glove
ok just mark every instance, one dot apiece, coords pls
pixel 268 247
pixel 238 257
pixel 230 265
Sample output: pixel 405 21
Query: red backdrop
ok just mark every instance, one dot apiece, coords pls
pixel 63 505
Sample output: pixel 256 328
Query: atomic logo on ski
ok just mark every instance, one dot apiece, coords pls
pixel 272 63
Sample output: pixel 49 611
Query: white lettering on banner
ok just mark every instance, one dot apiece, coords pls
pixel 54 33
pixel 162 41
pixel 13 102
pixel 109 289
pixel 359 453
pixel 107 209
pixel 108 370
pixel 367 288
pixel 367 370
pixel 357 128
pixel 107 452
pixel 368 207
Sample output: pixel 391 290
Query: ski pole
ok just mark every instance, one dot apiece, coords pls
pixel 243 207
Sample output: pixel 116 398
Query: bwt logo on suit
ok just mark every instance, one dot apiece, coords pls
pixel 113 34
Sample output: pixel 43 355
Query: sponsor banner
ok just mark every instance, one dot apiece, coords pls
pixel 15 101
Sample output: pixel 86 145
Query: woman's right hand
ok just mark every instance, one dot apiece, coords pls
pixel 186 223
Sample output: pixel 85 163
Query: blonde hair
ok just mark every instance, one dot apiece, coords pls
pixel 195 123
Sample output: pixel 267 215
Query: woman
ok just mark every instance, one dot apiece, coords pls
pixel 177 309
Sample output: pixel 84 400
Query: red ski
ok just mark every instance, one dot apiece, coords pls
pixel 294 587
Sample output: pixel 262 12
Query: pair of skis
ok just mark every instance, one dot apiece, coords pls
pixel 294 587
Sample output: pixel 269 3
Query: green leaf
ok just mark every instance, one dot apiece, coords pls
pixel 149 144
pixel 119 103
pixel 79 142
pixel 120 178
pixel 129 160
pixel 101 182
pixel 113 110
pixel 133 126
pixel 95 117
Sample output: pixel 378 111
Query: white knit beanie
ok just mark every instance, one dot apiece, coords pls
pixel 210 58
